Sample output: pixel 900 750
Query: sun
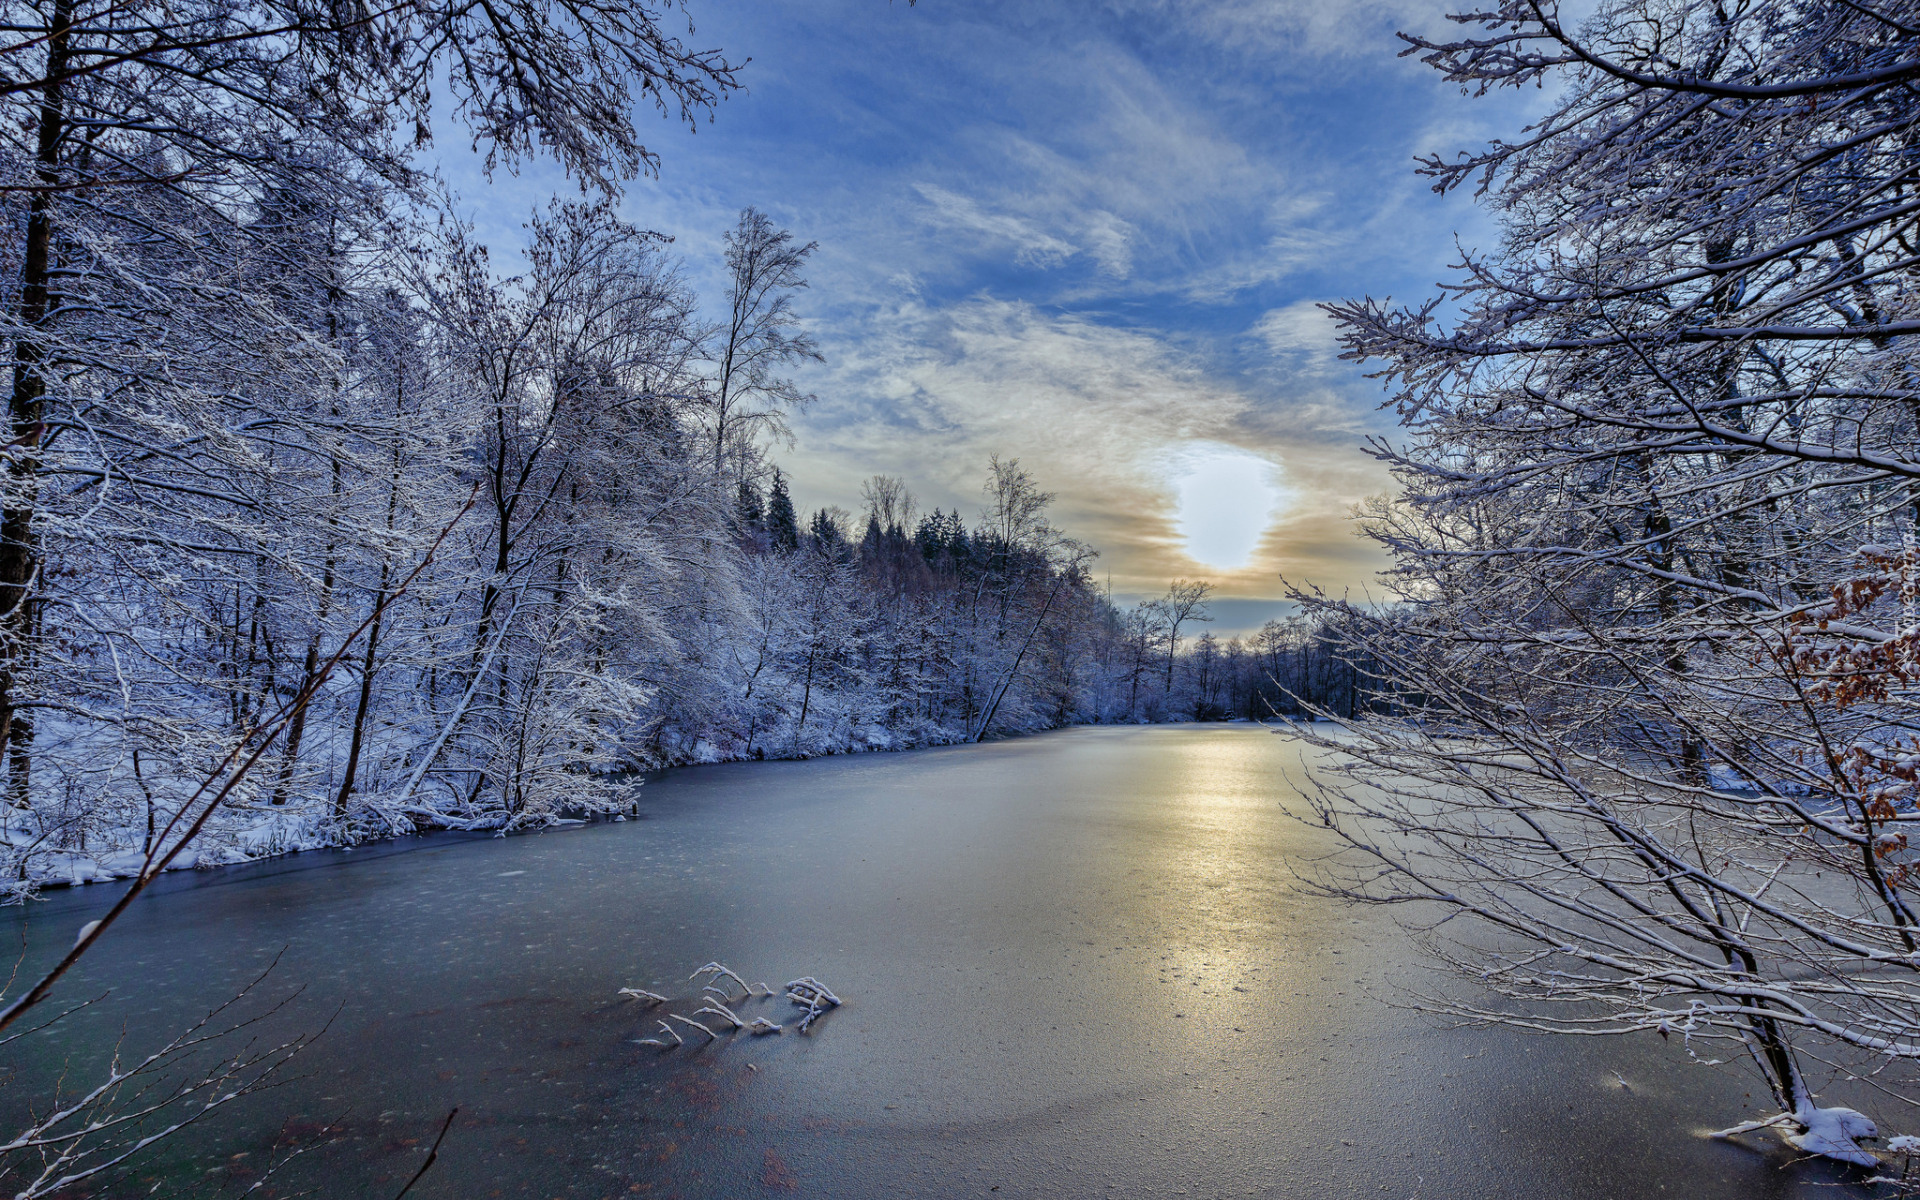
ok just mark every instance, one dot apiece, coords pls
pixel 1224 500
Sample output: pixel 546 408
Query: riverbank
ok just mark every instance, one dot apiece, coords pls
pixel 246 833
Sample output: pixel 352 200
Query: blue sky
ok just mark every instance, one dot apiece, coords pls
pixel 1088 236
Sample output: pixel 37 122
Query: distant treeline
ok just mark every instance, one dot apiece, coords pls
pixel 1293 667
pixel 900 628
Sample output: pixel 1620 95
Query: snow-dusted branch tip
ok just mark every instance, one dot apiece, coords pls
pixel 812 995
pixel 718 971
pixel 697 1025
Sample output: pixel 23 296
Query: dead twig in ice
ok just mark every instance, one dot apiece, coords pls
pixel 807 984
pixel 813 1011
pixel 760 1026
pixel 723 1012
pixel 812 995
pixel 668 1030
pixel 644 996
pixel 719 972
pixel 697 1025
pixel 433 1156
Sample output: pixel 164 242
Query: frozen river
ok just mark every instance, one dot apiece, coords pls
pixel 1073 965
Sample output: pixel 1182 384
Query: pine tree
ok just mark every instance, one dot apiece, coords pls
pixel 931 536
pixel 826 531
pixel 783 529
pixel 748 512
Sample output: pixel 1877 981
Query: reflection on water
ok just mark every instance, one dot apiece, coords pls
pixel 1074 965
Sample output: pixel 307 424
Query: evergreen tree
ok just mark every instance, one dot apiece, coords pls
pixel 748 512
pixel 954 538
pixel 783 530
pixel 826 531
pixel 931 536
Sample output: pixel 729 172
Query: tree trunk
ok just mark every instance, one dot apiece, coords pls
pixel 360 713
pixel 806 698
pixel 19 560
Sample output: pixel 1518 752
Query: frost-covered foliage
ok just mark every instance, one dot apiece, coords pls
pixel 825 642
pixel 1655 544
pixel 318 525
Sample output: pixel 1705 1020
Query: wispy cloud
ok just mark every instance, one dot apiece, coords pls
pixel 1300 337
pixel 953 213
pixel 1345 30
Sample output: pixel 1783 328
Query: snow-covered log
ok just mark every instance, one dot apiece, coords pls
pixel 1828 1132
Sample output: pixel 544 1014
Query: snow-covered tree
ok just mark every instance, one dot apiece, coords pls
pixel 759 338
pixel 1654 546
